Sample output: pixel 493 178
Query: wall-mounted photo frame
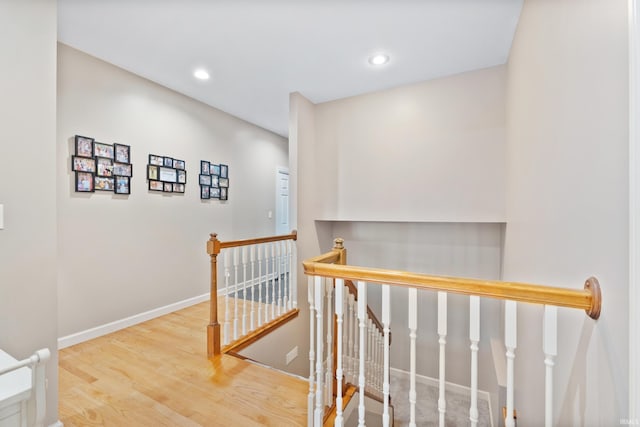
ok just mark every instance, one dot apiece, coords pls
pixel 105 167
pixel 104 183
pixel 97 159
pixel 122 153
pixel 205 192
pixel 166 174
pixel 83 164
pixel 205 167
pixel 215 180
pixel 156 185
pixel 122 169
pixel 85 182
pixel 84 146
pixel 152 172
pixel 102 150
pixel 123 185
pixel 156 160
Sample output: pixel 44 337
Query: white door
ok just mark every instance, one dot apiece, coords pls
pixel 282 201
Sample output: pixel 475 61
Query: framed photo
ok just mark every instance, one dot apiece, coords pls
pixel 223 194
pixel 224 171
pixel 123 169
pixel 122 185
pixel 182 176
pixel 168 162
pixel 156 160
pixel 168 174
pixel 152 172
pixel 156 185
pixel 205 180
pixel 85 182
pixel 105 167
pixel 83 164
pixel 84 146
pixel 168 187
pixel 122 153
pixel 224 182
pixel 205 167
pixel 204 192
pixel 215 181
pixel 102 150
pixel 104 183
pixel 178 188
pixel 214 193
pixel 178 164
pixel 215 169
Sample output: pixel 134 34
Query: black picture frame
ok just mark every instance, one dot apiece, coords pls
pixel 205 167
pixel 168 162
pixel 123 169
pixel 156 185
pixel 223 182
pixel 215 169
pixel 83 146
pixel 214 193
pixel 103 183
pixel 122 185
pixel 101 149
pixel 85 182
pixel 182 176
pixel 224 171
pixel 83 164
pixel 215 181
pixel 178 188
pixel 205 180
pixel 122 153
pixel 152 172
pixel 224 193
pixel 178 164
pixel 104 167
pixel 167 187
pixel 205 192
pixel 156 160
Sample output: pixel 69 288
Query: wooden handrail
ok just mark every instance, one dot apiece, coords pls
pixel 214 246
pixel 588 299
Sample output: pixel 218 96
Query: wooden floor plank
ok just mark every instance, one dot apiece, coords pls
pixel 157 374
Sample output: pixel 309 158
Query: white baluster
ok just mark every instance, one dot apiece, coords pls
pixel 260 301
pixel 235 293
pixel 328 383
pixel 293 274
pixel 362 317
pixel 278 270
pixel 413 326
pixel 339 314
pixel 510 340
pixel 442 332
pixel 352 325
pixel 287 273
pixel 550 348
pixel 312 356
pixel 227 315
pixel 474 337
pixel 274 269
pixel 318 299
pixel 252 257
pixel 368 363
pixel 386 320
pixel 244 289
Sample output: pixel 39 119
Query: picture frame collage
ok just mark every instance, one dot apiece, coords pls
pixel 166 174
pixel 214 181
pixel 101 167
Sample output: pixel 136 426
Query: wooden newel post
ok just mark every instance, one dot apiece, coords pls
pixel 338 245
pixel 213 329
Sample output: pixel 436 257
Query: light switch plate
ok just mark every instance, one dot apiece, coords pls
pixel 1 217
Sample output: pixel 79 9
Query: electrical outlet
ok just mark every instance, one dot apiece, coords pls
pixel 292 355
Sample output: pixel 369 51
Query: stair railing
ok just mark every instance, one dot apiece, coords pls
pixel 260 291
pixel 331 266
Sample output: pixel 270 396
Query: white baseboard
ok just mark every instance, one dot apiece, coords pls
pixel 461 389
pixel 99 331
pixel 57 424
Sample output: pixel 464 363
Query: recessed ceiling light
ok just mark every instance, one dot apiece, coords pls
pixel 201 74
pixel 378 59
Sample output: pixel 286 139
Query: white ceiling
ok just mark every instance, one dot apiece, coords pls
pixel 258 51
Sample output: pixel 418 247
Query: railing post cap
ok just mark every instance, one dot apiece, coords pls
pixel 338 243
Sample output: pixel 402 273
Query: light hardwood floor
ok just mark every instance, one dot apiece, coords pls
pixel 157 374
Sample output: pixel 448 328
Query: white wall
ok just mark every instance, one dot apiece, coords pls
pixel 122 255
pixel 432 151
pixel 567 206
pixel 28 304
